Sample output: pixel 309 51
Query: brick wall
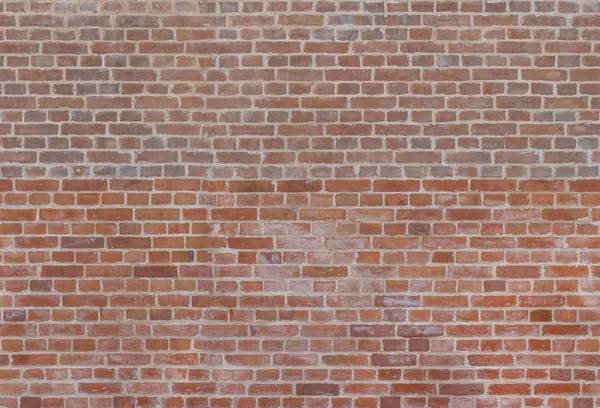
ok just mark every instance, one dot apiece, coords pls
pixel 299 204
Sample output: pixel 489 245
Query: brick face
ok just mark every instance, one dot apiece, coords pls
pixel 299 204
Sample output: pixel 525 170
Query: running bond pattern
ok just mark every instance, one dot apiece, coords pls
pixel 326 204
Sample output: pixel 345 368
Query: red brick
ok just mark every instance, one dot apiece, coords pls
pixel 299 186
pixel 194 388
pixel 556 388
pixel 510 389
pixel 129 242
pixel 317 389
pixel 113 214
pixel 324 271
pixel 155 271
pixel 461 389
pixel 471 215
pixel 393 360
pixel 250 243
pixel 250 186
pixel 263 203
pixel 17 214
pixel 62 271
pixel 233 214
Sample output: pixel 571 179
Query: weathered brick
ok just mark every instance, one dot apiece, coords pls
pixel 271 203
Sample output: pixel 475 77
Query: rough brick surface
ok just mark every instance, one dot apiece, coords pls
pixel 330 204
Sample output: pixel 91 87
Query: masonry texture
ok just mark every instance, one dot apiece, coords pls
pixel 327 204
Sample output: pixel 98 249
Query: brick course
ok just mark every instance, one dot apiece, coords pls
pixel 371 204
